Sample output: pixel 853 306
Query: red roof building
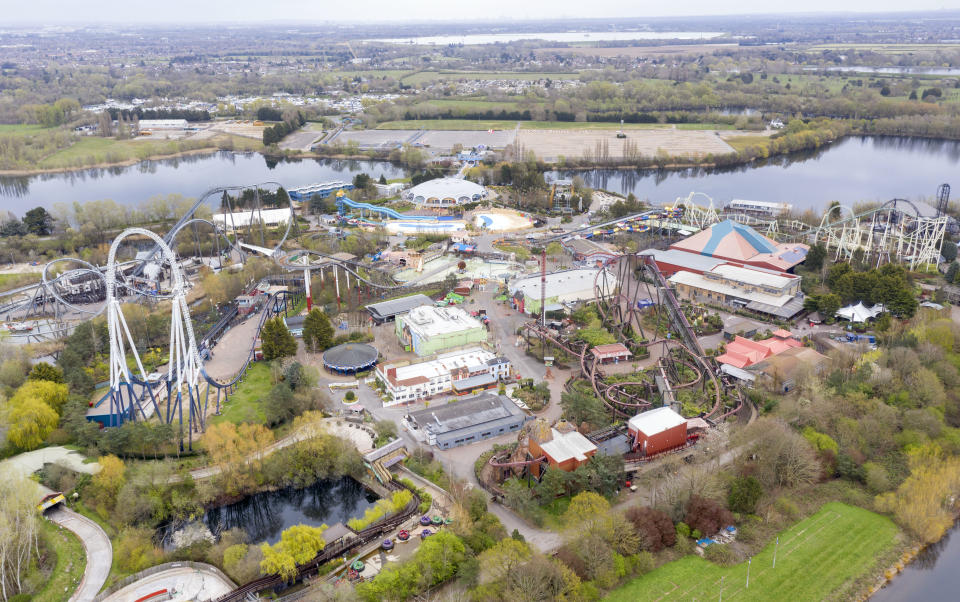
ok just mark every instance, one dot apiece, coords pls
pixel 614 352
pixel 657 430
pixel 741 352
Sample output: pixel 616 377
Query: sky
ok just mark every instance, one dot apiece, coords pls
pixel 257 11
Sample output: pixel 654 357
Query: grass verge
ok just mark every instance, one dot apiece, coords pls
pixel 71 560
pixel 816 558
pixel 246 404
pixel 506 124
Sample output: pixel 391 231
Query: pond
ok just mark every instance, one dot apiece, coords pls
pixel 265 515
pixel 869 168
pixel 932 575
pixel 189 176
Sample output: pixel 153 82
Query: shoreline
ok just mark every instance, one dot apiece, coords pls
pixel 19 173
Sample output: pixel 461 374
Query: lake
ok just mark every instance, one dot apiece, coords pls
pixel 190 176
pixel 852 170
pixel 265 515
pixel 565 36
pixel 932 575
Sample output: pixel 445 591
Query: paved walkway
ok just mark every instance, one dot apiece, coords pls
pixel 185 583
pixel 233 349
pixel 97 546
pixel 27 463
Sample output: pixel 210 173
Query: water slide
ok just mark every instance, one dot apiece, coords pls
pixel 344 201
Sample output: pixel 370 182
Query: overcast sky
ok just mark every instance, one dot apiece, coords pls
pixel 258 11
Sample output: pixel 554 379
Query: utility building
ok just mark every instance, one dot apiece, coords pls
pixel 468 421
pixel 429 330
pixel 658 430
pixel 568 286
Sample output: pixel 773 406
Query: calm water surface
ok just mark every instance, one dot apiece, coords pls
pixel 265 515
pixel 932 576
pixel 189 176
pixel 855 169
pixel 565 36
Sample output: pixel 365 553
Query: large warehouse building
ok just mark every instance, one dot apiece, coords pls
pixel 766 291
pixel 468 421
pixel 387 311
pixel 412 382
pixel 428 330
pixel 657 430
pixel 569 286
pixel 445 192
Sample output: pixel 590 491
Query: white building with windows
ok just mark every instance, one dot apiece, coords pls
pixel 410 383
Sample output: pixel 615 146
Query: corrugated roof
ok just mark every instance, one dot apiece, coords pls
pixel 567 446
pixel 656 421
pixel 386 309
pixel 466 413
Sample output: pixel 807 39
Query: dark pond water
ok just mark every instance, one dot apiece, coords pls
pixel 265 515
pixel 933 575
pixel 189 176
pixel 852 170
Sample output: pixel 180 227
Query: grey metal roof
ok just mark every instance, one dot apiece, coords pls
pixel 788 310
pixel 479 380
pixel 480 410
pixel 387 309
pixel 350 355
pixel 703 263
pixel 497 360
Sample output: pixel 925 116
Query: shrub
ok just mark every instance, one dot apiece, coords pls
pixel 745 492
pixel 706 515
pixel 720 554
pixel 683 529
pixel 350 396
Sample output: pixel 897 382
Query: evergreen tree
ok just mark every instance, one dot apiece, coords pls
pixel 277 340
pixel 317 331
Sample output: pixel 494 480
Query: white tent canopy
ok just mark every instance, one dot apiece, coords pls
pixel 860 312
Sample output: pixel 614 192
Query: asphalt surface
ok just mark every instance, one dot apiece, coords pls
pixel 186 583
pixel 97 546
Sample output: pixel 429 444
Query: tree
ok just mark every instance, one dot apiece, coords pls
pixel 706 515
pixel 30 423
pixel 110 479
pixel 745 492
pixel 275 559
pixel 828 304
pixel 654 527
pixel 816 257
pixel 38 221
pixel 298 544
pixel 585 506
pixel 18 533
pixel 277 340
pixel 383 179
pixel 783 458
pixel 317 331
pixel 13 227
pixel 43 391
pixel 44 371
pixel 949 250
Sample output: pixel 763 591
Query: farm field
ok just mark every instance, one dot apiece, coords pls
pixel 549 145
pixel 506 124
pixel 816 558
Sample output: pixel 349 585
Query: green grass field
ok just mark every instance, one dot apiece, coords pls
pixel 246 405
pixel 94 150
pixel 816 558
pixel 424 77
pixel 71 560
pixel 9 281
pixel 739 143
pixel 20 128
pixel 469 104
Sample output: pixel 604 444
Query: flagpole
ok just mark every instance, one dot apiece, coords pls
pixel 777 545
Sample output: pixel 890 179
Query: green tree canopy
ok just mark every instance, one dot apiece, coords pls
pixel 277 340
pixel 317 331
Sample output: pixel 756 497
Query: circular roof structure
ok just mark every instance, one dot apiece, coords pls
pixel 445 191
pixel 350 357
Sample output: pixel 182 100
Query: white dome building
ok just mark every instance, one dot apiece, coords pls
pixel 445 192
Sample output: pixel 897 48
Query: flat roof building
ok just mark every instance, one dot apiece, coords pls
pixel 468 421
pixel 765 291
pixel 658 430
pixel 564 447
pixel 614 352
pixel 568 286
pixel 387 311
pixel 242 219
pixel 409 383
pixel 427 330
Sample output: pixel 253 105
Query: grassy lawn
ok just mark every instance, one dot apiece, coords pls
pixel 424 77
pixel 246 404
pixel 70 563
pixel 469 104
pixel 816 558
pixel 94 150
pixel 739 143
pixel 8 281
pixel 20 128
pixel 448 124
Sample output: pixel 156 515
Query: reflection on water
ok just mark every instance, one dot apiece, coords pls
pixel 852 170
pixel 265 515
pixel 933 575
pixel 189 175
